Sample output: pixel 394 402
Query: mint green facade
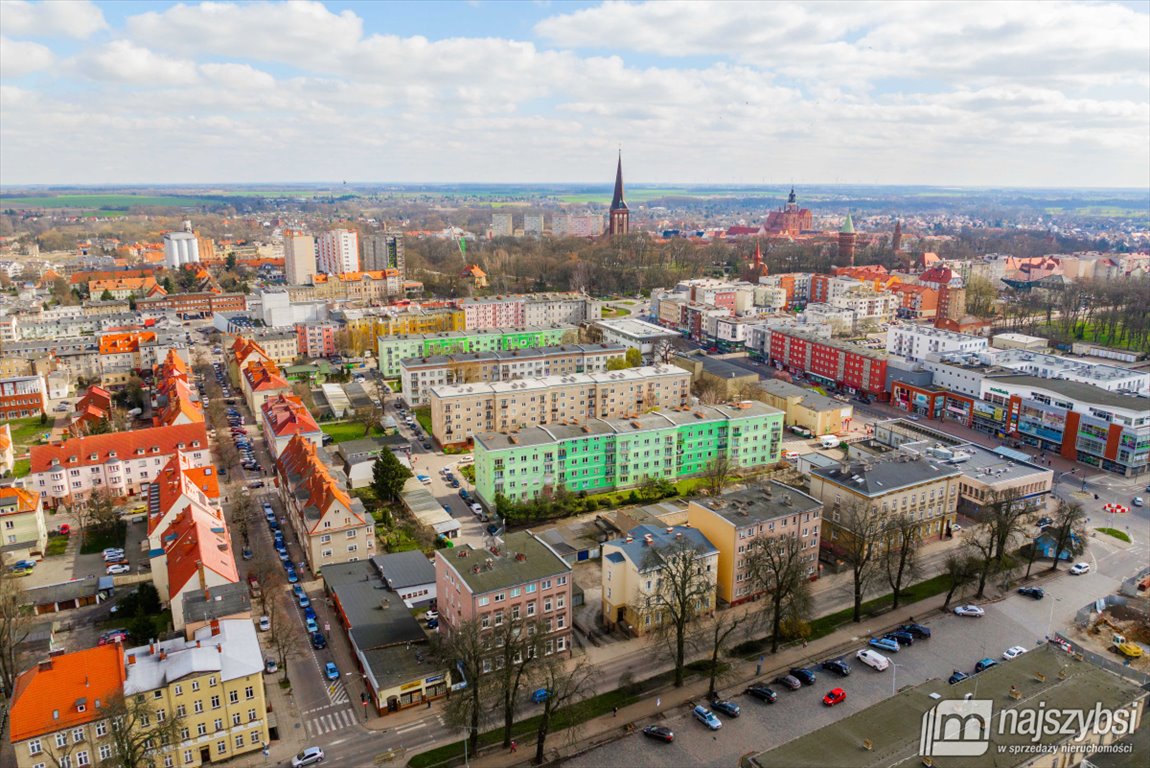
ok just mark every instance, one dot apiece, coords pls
pixel 624 455
pixel 392 349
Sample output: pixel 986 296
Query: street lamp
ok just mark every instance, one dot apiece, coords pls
pixel 1050 619
pixel 894 678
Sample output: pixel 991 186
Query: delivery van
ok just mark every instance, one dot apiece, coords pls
pixel 829 441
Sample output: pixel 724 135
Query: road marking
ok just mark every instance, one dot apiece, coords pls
pixel 412 727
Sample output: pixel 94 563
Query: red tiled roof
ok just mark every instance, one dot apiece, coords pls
pixel 180 404
pixel 26 501
pixel 57 685
pixel 115 343
pixel 243 348
pixel 98 449
pixel 172 484
pixel 300 466
pixel 262 376
pixel 197 538
pixel 287 415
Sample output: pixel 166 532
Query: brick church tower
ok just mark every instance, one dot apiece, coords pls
pixel 847 241
pixel 619 223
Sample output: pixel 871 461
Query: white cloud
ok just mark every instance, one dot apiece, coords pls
pixel 51 18
pixel 240 77
pixel 20 57
pixel 124 62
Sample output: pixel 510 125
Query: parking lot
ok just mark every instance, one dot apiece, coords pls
pixel 957 643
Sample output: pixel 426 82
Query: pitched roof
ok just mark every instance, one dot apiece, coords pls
pixel 14 500
pixel 287 415
pixel 304 470
pixel 172 485
pixel 45 697
pixel 243 348
pixel 848 226
pixel 5 436
pixel 197 538
pixel 617 203
pixel 96 288
pixel 264 375
pixel 118 343
pixel 119 446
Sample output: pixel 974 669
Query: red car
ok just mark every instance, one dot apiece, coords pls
pixel 835 696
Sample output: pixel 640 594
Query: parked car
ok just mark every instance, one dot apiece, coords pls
pixel 835 696
pixel 118 568
pixel 729 708
pixel 309 613
pixel 432 614
pixel 270 666
pixel 310 625
pixel 873 659
pixel 248 554
pixel 423 479
pixel 1013 652
pixel 901 637
pixel 806 676
pixel 969 610
pixel 304 601
pixel 838 666
pixel 477 509
pixel 885 643
pixel 331 671
pixel 297 590
pixel 707 718
pixel 918 630
pixel 433 623
pixel 762 692
pixel 1079 568
pixel 659 733
pixel 1035 592
pixel 113 636
pixel 957 677
pixel 789 681
pixel 540 695
pixel 265 623
pixel 984 665
pixel 291 576
pixel 318 641
pixel 309 756
pixel 116 551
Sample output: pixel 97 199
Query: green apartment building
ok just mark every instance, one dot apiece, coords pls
pixel 392 349
pixel 613 454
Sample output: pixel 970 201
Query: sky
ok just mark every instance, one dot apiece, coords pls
pixel 1018 94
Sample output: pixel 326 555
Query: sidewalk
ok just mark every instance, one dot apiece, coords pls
pixel 607 728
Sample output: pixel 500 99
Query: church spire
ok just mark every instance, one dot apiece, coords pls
pixel 617 203
pixel 619 217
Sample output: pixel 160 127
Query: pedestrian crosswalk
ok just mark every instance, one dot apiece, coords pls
pixel 329 722
pixel 337 693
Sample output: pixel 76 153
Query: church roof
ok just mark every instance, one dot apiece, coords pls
pixel 848 226
pixel 617 203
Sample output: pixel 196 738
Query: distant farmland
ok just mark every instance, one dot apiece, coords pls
pixel 110 202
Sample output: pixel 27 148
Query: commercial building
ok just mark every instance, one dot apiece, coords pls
pixel 524 580
pixel 124 462
pixel 22 396
pixel 630 332
pixel 283 417
pixel 459 412
pixel 608 454
pixel 893 485
pixel 180 248
pixel 22 528
pixel 419 374
pixel 299 258
pixel 840 364
pixel 964 372
pixel 915 342
pixel 393 349
pixel 807 409
pixel 732 523
pixel 632 575
pixel 193 304
pixel 333 526
pixel 1019 341
pixel 390 648
pixel 337 251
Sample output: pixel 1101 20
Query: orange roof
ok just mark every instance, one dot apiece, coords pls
pixel 5 437
pixel 180 406
pixel 262 376
pixel 174 484
pixel 197 538
pixel 47 697
pixel 26 501
pixel 287 415
pixel 117 343
pixel 206 479
pixel 85 277
pixel 243 348
pixel 475 271
pixel 351 277
pixel 301 468
pixel 134 284
pixel 118 446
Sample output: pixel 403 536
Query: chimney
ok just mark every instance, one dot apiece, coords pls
pixel 46 666
pixel 163 655
pixel 152 649
pixel 630 538
pixel 215 627
pixel 219 647
pixel 670 529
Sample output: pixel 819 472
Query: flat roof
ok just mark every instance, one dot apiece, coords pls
pixel 485 571
pixel 893 726
pixel 547 382
pixel 876 477
pixel 636 329
pixel 759 503
pixel 1086 393
pixel 405 569
pixel 524 353
pixel 377 617
pixel 475 333
pixel 810 398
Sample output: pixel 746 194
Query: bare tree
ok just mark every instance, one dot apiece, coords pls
pixel 719 632
pixel 241 516
pixel 463 649
pixel 777 569
pixel 663 351
pixel 979 546
pixel 15 625
pixel 1068 530
pixel 710 391
pixel 518 647
pixel 283 637
pixel 268 575
pixel 961 568
pixel 681 589
pixel 138 731
pixel 860 546
pixel 367 417
pixel 1005 517
pixel 568 685
pixel 716 474
pixel 902 539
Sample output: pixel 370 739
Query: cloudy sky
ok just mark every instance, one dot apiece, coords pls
pixel 974 94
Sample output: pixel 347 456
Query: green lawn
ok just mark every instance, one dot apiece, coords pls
pixel 104 201
pixel 27 431
pixel 609 312
pixel 56 546
pixel 98 540
pixel 1120 535
pixel 342 431
pixel 423 416
pixel 22 468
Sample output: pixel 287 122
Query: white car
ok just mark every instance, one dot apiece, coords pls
pixel 265 623
pixel 873 659
pixel 309 756
pixel 969 610
pixel 1013 652
pixel 118 568
pixel 477 509
pixel 1079 568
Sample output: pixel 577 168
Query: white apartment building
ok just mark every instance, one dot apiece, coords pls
pixel 180 248
pixel 915 342
pixel 299 258
pixel 578 226
pixel 868 305
pixel 963 373
pixel 338 251
pixel 502 225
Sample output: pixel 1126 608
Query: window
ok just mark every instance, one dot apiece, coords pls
pixel 215 702
pixel 325 539
pixel 168 762
pixel 34 747
pixel 106 752
pixel 61 739
pixel 101 728
pixel 161 715
pixel 233 697
pixel 197 706
pixel 500 597
pixel 185 734
pixel 239 740
pixel 484 601
pixel 212 681
pixel 251 715
pixel 180 710
pixel 221 747
pixel 77 735
pixel 202 729
pixel 179 690
pixel 235 718
pixel 187 755
pixel 195 685
pixel 249 693
pixel 82 757
pixel 218 724
pixel 157 694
